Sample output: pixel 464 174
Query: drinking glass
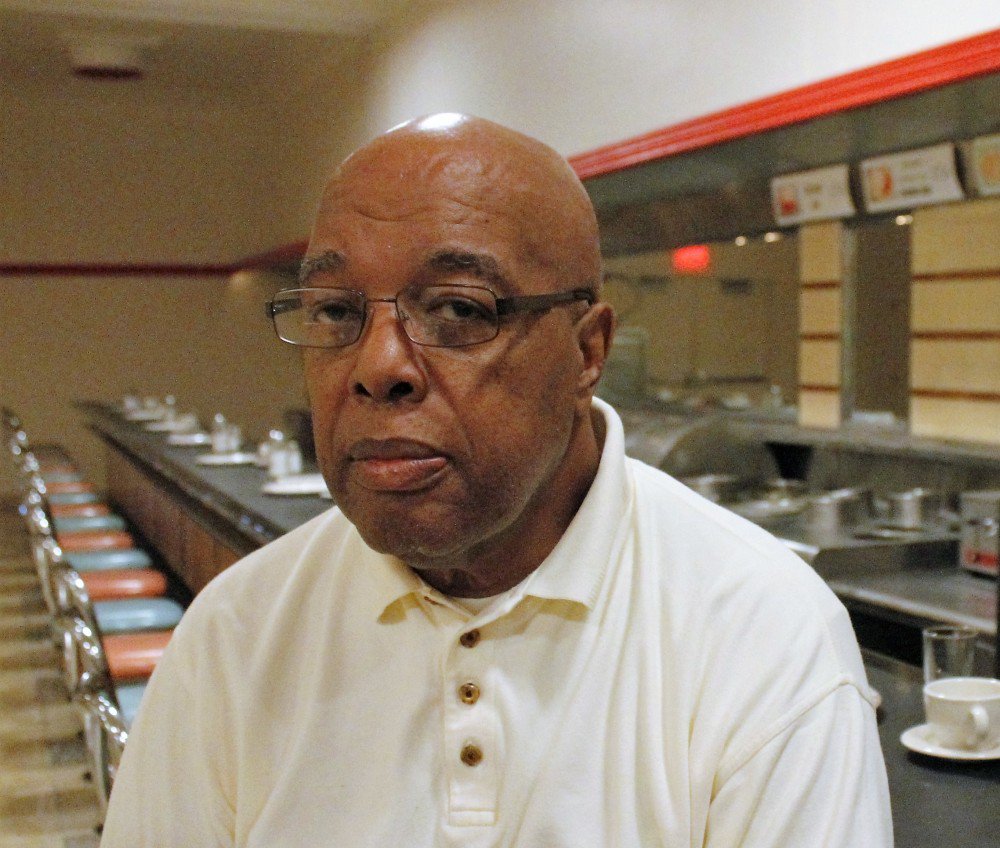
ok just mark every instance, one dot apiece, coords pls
pixel 949 652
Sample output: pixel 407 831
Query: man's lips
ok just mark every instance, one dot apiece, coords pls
pixel 394 465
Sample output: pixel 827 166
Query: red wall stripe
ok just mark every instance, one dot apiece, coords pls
pixel 939 66
pixel 818 387
pixel 949 394
pixel 956 336
pixel 948 276
pixel 110 269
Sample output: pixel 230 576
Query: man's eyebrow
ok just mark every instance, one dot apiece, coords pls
pixel 329 260
pixel 480 265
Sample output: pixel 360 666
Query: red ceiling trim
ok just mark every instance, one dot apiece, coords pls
pixel 111 269
pixel 939 66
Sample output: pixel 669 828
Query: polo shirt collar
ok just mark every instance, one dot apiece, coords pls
pixel 573 571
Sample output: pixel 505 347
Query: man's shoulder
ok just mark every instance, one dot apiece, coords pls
pixel 306 556
pixel 722 573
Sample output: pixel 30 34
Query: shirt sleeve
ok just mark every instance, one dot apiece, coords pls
pixel 174 787
pixel 818 781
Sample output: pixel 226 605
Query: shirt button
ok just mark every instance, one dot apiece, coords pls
pixel 470 639
pixel 472 755
pixel 469 693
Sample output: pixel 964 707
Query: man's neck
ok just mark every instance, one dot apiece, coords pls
pixel 505 559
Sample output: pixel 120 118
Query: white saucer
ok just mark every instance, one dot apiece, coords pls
pixel 189 440
pixel 297 484
pixel 144 415
pixel 234 458
pixel 920 740
pixel 166 426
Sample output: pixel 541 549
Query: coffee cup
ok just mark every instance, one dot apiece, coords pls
pixel 964 712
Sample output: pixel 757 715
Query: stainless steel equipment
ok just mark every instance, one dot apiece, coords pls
pixel 980 545
pixel 694 447
pixel 914 508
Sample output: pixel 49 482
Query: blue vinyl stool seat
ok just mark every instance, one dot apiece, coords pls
pixel 85 561
pixel 129 695
pixel 136 614
pixel 73 497
pixel 62 477
pixel 83 523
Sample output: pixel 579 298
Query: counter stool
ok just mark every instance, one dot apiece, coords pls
pixel 81 510
pixel 105 731
pixel 88 523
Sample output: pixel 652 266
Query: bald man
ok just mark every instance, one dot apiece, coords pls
pixel 506 633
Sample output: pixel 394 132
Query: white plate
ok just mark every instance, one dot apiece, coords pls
pixel 919 739
pixel 144 415
pixel 297 484
pixel 189 440
pixel 235 458
pixel 166 426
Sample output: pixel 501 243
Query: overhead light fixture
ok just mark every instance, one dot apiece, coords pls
pixel 108 56
pixel 741 241
pixel 904 220
pixel 772 237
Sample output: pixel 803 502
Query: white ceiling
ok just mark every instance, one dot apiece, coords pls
pixel 229 47
pixel 326 16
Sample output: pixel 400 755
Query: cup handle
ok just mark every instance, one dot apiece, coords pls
pixel 980 722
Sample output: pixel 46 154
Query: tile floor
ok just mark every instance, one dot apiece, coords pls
pixel 46 798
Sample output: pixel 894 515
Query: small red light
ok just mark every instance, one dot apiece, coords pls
pixel 692 259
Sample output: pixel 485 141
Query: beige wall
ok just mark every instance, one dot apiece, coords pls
pixel 204 340
pixel 697 327
pixel 154 173
pixel 955 322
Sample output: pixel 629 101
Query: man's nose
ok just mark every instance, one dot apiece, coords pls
pixel 385 367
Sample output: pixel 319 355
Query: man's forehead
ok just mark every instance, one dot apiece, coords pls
pixel 479 264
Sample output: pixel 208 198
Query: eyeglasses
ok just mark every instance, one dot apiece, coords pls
pixel 436 316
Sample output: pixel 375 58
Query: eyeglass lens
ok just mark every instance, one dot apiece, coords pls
pixel 441 316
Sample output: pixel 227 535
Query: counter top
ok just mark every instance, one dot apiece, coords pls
pixel 231 493
pixel 935 802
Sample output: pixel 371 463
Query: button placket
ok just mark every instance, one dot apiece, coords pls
pixel 470 733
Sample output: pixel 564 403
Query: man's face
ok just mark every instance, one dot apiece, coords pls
pixel 435 452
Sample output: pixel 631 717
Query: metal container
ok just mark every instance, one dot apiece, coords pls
pixel 979 549
pixel 838 509
pixel 913 509
pixel 721 488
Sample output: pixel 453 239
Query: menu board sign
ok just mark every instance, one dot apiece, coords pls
pixel 984 164
pixel 913 178
pixel 815 195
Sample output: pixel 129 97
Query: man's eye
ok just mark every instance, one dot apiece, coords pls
pixel 333 312
pixel 459 309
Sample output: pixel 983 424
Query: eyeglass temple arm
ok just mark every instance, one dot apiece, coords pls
pixel 273 308
pixel 541 302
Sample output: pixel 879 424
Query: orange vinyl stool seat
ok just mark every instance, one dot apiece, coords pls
pixel 117 583
pixel 132 655
pixel 79 510
pixel 95 540
pixel 65 488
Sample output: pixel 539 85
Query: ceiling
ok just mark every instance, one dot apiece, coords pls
pixel 325 16
pixel 220 45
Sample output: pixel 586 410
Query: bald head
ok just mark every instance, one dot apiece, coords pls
pixel 484 165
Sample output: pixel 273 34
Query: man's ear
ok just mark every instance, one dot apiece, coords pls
pixel 595 331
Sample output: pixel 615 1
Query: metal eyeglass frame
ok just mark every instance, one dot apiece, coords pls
pixel 505 306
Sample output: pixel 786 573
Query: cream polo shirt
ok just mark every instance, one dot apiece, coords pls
pixel 670 676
